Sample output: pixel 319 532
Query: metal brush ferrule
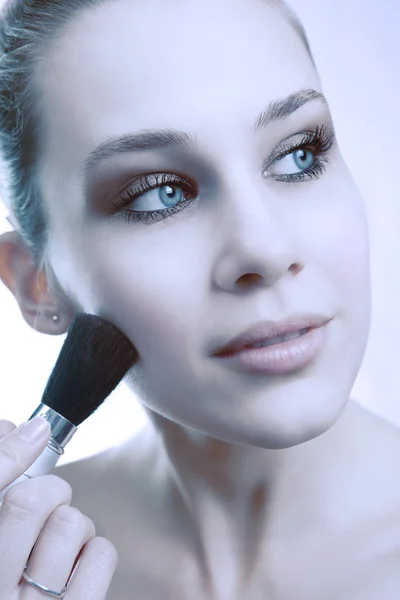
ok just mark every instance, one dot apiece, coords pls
pixel 62 430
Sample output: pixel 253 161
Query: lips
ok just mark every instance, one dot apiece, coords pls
pixel 267 333
pixel 279 339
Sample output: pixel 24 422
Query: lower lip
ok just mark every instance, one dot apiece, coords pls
pixel 279 359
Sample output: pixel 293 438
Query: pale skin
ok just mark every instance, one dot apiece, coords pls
pixel 273 487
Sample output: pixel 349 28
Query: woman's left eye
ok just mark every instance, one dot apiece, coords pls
pixel 301 157
pixel 298 161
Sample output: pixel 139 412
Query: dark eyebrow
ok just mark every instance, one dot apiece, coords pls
pixel 284 107
pixel 171 138
pixel 141 140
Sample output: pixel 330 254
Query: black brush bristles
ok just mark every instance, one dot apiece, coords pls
pixel 93 360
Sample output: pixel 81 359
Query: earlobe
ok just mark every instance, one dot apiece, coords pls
pixel 29 286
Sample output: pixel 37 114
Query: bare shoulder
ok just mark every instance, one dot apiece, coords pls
pixel 127 495
pixel 108 483
pixel 379 492
pixel 377 458
pixel 377 439
pixel 374 571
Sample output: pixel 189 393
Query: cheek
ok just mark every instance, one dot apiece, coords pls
pixel 152 284
pixel 345 252
pixel 350 257
pixel 342 254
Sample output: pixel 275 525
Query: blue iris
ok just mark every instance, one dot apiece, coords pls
pixel 303 159
pixel 170 195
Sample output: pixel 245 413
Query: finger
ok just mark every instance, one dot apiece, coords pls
pixel 61 540
pixel 6 427
pixel 24 511
pixel 94 571
pixel 18 453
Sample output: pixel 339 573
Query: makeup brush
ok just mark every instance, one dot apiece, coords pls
pixel 93 359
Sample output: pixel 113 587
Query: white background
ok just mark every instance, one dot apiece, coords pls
pixel 357 49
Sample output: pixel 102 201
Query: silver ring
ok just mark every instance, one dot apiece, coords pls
pixel 44 588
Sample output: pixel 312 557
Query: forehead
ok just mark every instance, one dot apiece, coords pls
pixel 198 65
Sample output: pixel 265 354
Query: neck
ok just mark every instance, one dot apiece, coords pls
pixel 238 498
pixel 225 472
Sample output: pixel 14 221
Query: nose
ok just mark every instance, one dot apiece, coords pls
pixel 257 243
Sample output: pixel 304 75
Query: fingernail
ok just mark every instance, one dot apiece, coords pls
pixel 35 430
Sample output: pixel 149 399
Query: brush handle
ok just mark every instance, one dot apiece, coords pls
pixel 43 465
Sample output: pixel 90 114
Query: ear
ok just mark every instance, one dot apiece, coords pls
pixel 31 288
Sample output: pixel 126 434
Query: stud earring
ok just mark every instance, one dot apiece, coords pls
pixel 55 318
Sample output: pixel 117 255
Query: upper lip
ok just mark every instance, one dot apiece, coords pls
pixel 268 329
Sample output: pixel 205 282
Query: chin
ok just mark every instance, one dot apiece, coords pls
pixel 283 415
pixel 286 411
pixel 292 434
pixel 278 420
pixel 278 436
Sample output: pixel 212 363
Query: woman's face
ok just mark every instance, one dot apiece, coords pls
pixel 255 217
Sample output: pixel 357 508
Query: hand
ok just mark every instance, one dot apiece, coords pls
pixel 36 517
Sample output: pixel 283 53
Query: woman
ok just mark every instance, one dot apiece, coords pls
pixel 173 168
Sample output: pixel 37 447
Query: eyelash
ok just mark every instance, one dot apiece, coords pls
pixel 144 185
pixel 319 141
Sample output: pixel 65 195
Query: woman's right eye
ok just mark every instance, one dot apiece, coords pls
pixel 155 196
pixel 159 198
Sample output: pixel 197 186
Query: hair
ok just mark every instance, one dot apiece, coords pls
pixel 26 29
